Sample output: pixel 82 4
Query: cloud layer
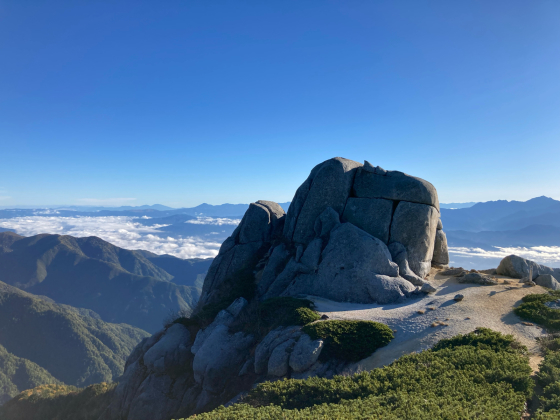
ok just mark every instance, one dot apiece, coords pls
pixel 121 231
pixel 541 254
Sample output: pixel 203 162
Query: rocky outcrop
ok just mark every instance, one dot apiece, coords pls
pixel 548 281
pixel 518 267
pixel 353 232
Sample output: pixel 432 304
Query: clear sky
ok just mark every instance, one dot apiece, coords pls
pixel 184 102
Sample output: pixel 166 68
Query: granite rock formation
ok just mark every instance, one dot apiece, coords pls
pixel 352 233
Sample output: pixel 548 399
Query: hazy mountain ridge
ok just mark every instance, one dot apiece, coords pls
pixel 502 223
pixel 120 285
pixel 57 341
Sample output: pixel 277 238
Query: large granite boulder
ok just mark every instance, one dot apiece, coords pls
pixel 414 225
pixel 518 267
pixel 328 185
pixel 353 233
pixel 548 281
pixel 262 222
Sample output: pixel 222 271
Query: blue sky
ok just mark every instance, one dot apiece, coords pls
pixel 184 102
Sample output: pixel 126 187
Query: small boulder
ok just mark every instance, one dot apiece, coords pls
pixel 305 353
pixel 458 298
pixel 428 288
pixel 546 280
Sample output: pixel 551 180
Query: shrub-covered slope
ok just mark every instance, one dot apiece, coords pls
pixel 120 285
pixel 482 375
pixel 75 348
pixel 17 374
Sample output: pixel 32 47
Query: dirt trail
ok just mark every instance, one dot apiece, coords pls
pixel 482 306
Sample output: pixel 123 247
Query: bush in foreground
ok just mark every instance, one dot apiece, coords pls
pixel 469 377
pixel 534 309
pixel 349 340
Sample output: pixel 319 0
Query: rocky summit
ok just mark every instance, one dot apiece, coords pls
pixel 353 232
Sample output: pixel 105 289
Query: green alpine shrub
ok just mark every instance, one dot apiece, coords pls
pixel 349 340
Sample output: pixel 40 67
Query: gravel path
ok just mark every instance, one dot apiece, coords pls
pixel 482 306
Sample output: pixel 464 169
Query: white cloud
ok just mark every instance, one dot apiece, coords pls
pixel 214 221
pixel 121 231
pixel 540 254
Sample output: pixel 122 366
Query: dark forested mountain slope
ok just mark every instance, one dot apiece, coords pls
pixel 120 285
pixel 73 346
pixel 17 374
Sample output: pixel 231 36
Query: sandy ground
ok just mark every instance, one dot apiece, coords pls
pixel 482 306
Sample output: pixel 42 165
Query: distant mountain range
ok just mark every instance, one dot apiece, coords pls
pixel 122 286
pixel 42 342
pixel 502 223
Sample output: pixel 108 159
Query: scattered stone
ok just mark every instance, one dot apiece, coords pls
pixel 458 298
pixel 394 331
pixel 428 288
pixel 529 324
pixel 323 317
pixel 421 312
pixel 431 308
pixel 468 317
pixel 507 282
pixel 491 271
pixel 477 278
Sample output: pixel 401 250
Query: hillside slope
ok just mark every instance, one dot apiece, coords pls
pixel 121 286
pixel 17 374
pixel 74 348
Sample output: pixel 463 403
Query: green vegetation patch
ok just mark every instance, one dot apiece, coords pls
pixel 285 311
pixel 467 378
pixel 60 402
pixel 534 309
pixel 349 340
pixel 483 338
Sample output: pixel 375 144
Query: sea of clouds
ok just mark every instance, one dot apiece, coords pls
pixel 126 232
pixel 123 232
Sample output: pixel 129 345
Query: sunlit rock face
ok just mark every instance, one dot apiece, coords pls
pixel 353 233
pixel 336 239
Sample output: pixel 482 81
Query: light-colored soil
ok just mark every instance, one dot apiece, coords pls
pixel 482 306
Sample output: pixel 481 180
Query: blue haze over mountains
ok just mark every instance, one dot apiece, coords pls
pixel 484 226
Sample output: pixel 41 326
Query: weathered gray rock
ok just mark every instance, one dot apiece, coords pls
pixel 458 298
pixel 276 264
pixel 394 185
pixel 224 318
pixel 171 351
pixel 370 214
pixel 312 254
pixel 517 267
pixel 477 278
pixel 327 221
pixel 273 339
pixel 428 288
pixel 441 253
pixel 263 221
pixel 328 185
pixel 400 257
pixel 305 353
pixel 350 261
pixel 384 289
pixel 439 225
pixel 374 169
pixel 546 280
pixel 259 222
pixel 278 361
pixel 222 355
pixel 286 277
pixel 414 225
